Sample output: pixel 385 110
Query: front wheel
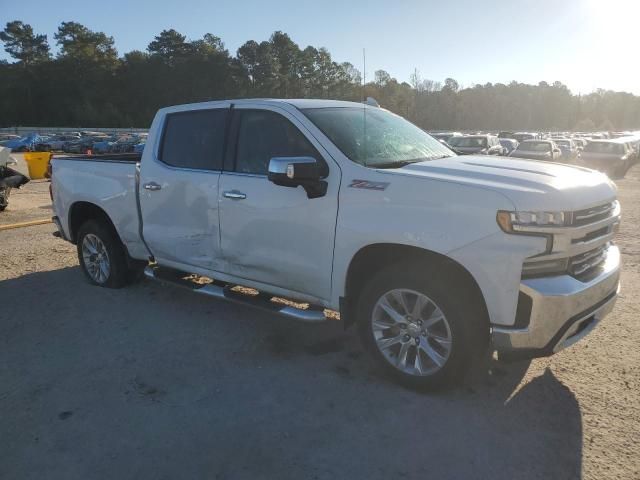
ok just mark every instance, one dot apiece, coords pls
pixel 415 327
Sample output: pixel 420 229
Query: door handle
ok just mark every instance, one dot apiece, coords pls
pixel 153 186
pixel 235 195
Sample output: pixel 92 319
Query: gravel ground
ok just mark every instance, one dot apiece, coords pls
pixel 155 382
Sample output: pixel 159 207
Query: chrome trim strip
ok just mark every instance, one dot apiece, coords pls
pixel 234 195
pixel 594 212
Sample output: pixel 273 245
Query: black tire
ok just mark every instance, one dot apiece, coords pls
pixel 119 273
pixel 468 337
pixel 136 270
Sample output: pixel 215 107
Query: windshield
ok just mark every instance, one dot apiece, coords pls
pixel 468 142
pixel 374 137
pixel 535 146
pixel 605 147
pixel 563 143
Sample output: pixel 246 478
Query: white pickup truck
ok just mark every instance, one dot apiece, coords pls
pixel 343 206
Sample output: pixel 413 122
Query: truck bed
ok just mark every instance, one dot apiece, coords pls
pixel 108 181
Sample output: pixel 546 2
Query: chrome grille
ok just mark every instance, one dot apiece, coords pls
pixel 601 232
pixel 592 215
pixel 585 263
pixel 582 243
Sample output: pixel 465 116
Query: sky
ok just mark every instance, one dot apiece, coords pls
pixel 585 44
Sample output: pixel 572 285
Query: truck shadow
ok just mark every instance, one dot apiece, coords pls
pixel 155 382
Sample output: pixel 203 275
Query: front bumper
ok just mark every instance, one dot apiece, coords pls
pixel 563 311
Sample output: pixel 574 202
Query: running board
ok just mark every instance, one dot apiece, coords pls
pixel 225 292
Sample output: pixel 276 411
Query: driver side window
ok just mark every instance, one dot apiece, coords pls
pixel 262 135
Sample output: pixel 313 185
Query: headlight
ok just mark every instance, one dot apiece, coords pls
pixel 513 222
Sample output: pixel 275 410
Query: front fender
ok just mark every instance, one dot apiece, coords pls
pixel 434 215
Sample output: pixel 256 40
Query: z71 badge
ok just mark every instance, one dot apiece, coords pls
pixel 369 185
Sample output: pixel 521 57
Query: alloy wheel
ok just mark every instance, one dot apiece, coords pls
pixel 412 332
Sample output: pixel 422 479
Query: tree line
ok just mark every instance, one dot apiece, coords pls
pixel 86 83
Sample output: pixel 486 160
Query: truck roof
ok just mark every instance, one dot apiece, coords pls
pixel 318 103
pixel 300 103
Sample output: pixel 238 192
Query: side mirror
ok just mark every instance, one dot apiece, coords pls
pixel 294 171
pixel 557 150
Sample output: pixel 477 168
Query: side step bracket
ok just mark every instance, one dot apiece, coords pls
pixel 225 292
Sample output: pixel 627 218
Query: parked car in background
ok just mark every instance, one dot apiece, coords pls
pixel 88 133
pixel 55 143
pixel 124 144
pixel 537 150
pixel 613 157
pixel 24 144
pixel 477 144
pixel 568 148
pixel 104 145
pixel 522 136
pixel 5 137
pixel 580 142
pixel 445 136
pixel 138 148
pixel 82 145
pixel 634 141
pixel 509 144
pixel 506 135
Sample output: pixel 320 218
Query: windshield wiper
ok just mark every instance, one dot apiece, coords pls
pixel 403 163
pixel 396 164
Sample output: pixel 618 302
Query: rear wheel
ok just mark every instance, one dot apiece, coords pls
pixel 415 327
pixel 102 256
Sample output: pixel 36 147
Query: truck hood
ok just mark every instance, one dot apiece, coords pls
pixel 529 184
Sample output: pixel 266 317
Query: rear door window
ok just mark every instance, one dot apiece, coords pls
pixel 194 139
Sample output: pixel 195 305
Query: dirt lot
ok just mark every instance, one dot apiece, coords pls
pixel 155 382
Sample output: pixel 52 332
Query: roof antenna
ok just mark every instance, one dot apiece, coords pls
pixel 364 104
